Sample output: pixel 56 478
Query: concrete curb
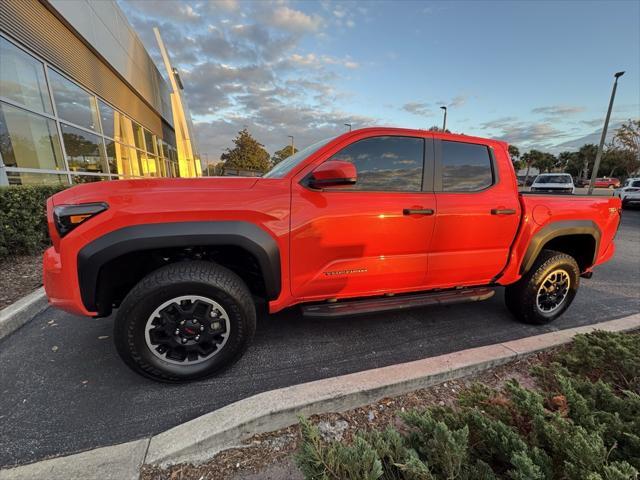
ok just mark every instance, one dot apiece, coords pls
pixel 198 440
pixel 20 312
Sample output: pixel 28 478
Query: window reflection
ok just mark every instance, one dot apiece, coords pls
pixel 22 78
pixel 87 178
pixel 107 119
pixel 119 158
pixel 73 104
pixel 149 141
pixel 29 178
pixel 85 152
pixel 386 163
pixel 138 136
pixel 466 167
pixel 28 140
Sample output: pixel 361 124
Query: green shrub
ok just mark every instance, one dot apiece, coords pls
pixel 582 423
pixel 23 223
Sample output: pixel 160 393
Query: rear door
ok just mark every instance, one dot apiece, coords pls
pixel 477 213
pixel 372 237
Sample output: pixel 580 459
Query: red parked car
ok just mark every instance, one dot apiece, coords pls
pixel 371 220
pixel 605 182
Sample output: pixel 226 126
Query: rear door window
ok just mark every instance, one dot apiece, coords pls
pixel 466 167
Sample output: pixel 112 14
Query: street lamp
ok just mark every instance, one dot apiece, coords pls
pixel 293 150
pixel 444 122
pixel 596 165
pixel 348 125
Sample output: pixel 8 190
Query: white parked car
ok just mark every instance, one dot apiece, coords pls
pixel 553 183
pixel 629 193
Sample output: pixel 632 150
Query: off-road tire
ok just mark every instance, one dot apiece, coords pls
pixel 200 278
pixel 521 297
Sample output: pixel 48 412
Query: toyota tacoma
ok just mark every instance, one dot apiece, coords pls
pixel 371 220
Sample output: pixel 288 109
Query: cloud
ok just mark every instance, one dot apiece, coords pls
pixel 525 134
pixel 293 20
pixel 456 101
pixel 313 60
pixel 558 110
pixel 418 108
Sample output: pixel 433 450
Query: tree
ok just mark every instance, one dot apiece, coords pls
pixel 581 162
pixel 435 128
pixel 248 154
pixel 514 153
pixel 628 137
pixel 564 158
pixel 283 153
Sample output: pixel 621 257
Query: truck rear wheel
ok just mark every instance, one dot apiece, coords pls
pixel 546 291
pixel 185 321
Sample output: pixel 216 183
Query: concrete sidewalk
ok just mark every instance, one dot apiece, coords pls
pixel 198 440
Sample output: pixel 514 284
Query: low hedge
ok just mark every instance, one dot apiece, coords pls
pixel 582 422
pixel 23 219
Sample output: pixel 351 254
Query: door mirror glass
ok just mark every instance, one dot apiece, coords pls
pixel 333 173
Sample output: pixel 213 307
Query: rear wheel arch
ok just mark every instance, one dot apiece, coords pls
pixel 578 238
pixel 120 253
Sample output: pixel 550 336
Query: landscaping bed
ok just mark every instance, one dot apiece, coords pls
pixel 570 413
pixel 19 276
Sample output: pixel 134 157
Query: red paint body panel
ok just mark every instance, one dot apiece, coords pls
pixel 339 244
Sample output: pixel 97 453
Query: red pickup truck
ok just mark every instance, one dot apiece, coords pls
pixel 375 219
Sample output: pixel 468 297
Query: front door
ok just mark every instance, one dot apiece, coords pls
pixel 372 237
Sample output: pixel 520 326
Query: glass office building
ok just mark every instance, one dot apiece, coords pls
pixel 75 109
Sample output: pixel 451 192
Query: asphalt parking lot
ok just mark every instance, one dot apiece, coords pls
pixel 64 389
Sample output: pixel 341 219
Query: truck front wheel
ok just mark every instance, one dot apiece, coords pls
pixel 546 291
pixel 185 321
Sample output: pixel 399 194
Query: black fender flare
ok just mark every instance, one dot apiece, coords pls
pixel 555 230
pixel 151 236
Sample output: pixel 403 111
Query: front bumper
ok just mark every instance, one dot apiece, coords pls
pixel 60 285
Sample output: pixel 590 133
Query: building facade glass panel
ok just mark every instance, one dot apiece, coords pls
pixel 28 140
pixel 22 78
pixel 49 124
pixel 107 119
pixel 30 178
pixel 85 151
pixel 73 103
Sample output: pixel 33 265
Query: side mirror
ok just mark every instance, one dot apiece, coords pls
pixel 333 173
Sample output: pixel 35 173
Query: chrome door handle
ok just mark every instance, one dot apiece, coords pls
pixel 503 211
pixel 418 211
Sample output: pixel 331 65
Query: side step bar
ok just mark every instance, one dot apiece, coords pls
pixel 399 302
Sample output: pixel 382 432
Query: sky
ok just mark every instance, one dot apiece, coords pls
pixel 537 74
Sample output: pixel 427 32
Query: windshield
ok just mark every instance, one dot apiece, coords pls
pixel 285 166
pixel 636 184
pixel 554 179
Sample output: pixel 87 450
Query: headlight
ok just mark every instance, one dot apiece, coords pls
pixel 68 217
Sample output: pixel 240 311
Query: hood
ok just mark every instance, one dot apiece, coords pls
pixel 91 192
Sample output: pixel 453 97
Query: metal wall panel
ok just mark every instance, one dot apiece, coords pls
pixel 34 25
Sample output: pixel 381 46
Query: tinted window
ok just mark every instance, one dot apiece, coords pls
pixel 28 140
pixel 74 104
pixel 386 163
pixel 22 78
pixel 466 167
pixel 84 150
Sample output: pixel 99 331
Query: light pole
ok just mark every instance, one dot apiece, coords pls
pixel 348 125
pixel 293 150
pixel 444 122
pixel 596 165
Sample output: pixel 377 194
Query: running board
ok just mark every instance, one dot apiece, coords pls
pixel 399 302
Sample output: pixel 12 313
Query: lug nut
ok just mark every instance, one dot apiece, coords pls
pixel 197 337
pixel 184 340
pixel 182 322
pixel 202 328
pixel 177 331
